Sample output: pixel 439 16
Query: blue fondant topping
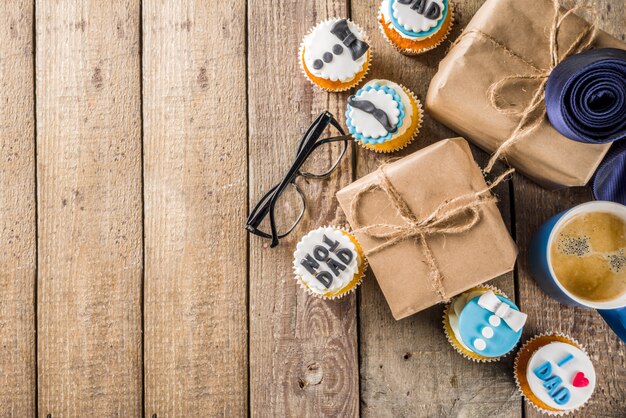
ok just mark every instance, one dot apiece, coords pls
pixel 429 32
pixel 544 371
pixel 561 396
pixel 565 360
pixel 474 318
pixel 380 139
pixel 553 383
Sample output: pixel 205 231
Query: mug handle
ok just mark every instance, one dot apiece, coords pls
pixel 616 318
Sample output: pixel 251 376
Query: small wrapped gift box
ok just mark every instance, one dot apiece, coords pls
pixel 492 74
pixel 429 226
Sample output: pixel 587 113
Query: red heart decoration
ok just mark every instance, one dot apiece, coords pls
pixel 580 381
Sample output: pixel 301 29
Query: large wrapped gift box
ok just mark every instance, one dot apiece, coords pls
pixel 465 252
pixel 510 38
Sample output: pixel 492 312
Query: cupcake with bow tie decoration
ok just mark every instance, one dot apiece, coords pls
pixel 335 55
pixel 415 26
pixel 482 324
pixel 383 116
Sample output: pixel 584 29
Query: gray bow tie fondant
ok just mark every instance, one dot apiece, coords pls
pixel 356 46
pixel 378 114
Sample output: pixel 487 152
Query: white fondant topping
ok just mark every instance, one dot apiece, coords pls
pixel 554 353
pixel 306 246
pixel 413 21
pixel 366 124
pixel 487 332
pixel 406 101
pixel 342 67
pixel 494 320
pixel 480 344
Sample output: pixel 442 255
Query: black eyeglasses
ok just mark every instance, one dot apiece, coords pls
pixel 309 144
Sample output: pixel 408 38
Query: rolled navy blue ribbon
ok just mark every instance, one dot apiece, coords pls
pixel 586 96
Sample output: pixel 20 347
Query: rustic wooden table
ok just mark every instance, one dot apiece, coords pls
pixel 134 137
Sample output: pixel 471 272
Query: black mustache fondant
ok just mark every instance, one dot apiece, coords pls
pixel 378 114
pixel 342 31
pixel 419 6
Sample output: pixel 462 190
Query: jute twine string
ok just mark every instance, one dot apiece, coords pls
pixel 453 216
pixel 533 114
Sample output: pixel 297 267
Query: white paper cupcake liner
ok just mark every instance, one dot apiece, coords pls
pixel 414 52
pixel 450 337
pixel 358 282
pixel 348 84
pixel 519 386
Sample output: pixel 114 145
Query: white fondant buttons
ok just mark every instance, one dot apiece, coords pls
pixel 487 332
pixel 480 344
pixel 494 321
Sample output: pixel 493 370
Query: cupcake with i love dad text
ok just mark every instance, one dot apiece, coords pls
pixel 383 116
pixel 482 324
pixel 329 262
pixel 415 26
pixel 555 374
pixel 335 55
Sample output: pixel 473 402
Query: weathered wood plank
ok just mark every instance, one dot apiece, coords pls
pixel 17 211
pixel 545 314
pixel 407 367
pixel 303 351
pixel 195 192
pixel 90 225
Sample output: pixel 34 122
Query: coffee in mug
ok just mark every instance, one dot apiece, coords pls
pixel 588 256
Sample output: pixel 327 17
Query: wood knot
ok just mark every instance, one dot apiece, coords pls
pixel 203 79
pixel 313 376
pixel 80 25
pixel 97 79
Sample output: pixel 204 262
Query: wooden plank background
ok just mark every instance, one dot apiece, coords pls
pixel 88 95
pixel 194 106
pixel 18 244
pixel 135 136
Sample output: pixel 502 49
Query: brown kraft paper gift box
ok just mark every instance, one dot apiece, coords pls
pixel 424 180
pixel 458 94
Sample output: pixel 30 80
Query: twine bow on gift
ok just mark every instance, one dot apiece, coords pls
pixel 453 216
pixel 533 114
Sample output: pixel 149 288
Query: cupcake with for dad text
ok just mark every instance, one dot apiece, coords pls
pixel 415 26
pixel 383 116
pixel 329 262
pixel 482 324
pixel 554 374
pixel 335 55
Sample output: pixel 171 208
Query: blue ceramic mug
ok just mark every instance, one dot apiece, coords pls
pixel 613 311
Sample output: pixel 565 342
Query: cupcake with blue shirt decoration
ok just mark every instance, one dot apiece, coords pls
pixel 482 324
pixel 415 26
pixel 383 116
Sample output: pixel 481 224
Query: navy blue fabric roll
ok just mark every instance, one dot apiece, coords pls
pixel 586 96
pixel 609 181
